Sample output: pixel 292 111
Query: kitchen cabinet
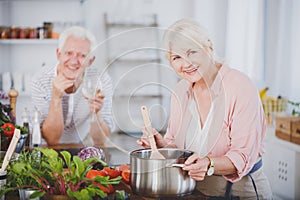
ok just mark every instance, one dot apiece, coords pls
pixel 133 59
pixel 281 164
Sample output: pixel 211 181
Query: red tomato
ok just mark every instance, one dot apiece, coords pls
pixel 124 167
pixel 126 176
pixel 93 173
pixel 112 173
pixel 8 129
pixel 109 189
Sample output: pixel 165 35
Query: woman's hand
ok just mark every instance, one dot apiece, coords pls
pixel 196 167
pixel 144 141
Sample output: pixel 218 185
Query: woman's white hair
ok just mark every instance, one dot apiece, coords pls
pixel 78 32
pixel 186 32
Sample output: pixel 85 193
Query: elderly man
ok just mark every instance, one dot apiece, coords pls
pixel 57 93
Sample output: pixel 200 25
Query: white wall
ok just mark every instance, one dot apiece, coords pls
pixel 213 15
pixel 126 12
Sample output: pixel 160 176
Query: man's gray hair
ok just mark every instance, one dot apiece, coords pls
pixel 78 32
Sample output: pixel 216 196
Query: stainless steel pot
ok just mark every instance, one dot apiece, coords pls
pixel 158 178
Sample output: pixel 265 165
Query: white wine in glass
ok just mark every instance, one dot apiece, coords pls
pixel 89 91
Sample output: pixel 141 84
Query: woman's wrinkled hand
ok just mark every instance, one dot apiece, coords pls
pixel 196 167
pixel 144 141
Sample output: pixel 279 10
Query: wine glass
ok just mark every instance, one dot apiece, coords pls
pixel 89 91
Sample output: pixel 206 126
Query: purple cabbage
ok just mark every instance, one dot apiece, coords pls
pixel 91 152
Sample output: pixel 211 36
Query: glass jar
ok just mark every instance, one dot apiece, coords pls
pixel 13 33
pixel 32 33
pixel 23 33
pixel 5 32
pixel 49 27
pixel 57 28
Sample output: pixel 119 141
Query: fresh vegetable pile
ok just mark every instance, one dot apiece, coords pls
pixel 50 177
pixel 95 152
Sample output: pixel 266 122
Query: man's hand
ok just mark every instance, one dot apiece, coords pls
pixel 97 102
pixel 60 84
pixel 99 129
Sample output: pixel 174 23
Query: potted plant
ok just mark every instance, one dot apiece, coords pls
pixel 296 108
pixel 51 173
pixel 18 177
pixel 8 125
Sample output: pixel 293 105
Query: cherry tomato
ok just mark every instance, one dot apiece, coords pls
pixel 112 173
pixel 93 173
pixel 8 129
pixel 126 176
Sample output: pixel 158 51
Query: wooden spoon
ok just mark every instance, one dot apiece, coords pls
pixel 155 154
pixel 11 149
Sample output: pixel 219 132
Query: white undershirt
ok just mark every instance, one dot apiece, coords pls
pixel 196 137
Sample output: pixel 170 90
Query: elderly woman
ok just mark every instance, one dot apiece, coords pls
pixel 216 112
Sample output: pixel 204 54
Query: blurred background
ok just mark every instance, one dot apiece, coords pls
pixel 258 37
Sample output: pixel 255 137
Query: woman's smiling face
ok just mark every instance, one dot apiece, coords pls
pixel 191 62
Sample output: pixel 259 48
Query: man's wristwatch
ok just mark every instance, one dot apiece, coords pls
pixel 211 167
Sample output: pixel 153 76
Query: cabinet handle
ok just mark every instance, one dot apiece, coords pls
pixel 298 131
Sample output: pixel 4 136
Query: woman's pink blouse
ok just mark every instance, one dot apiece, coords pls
pixel 239 120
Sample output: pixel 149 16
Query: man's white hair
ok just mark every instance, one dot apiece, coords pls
pixel 78 32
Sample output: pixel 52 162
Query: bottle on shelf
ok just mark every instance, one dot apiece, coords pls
pixel 25 119
pixel 36 130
